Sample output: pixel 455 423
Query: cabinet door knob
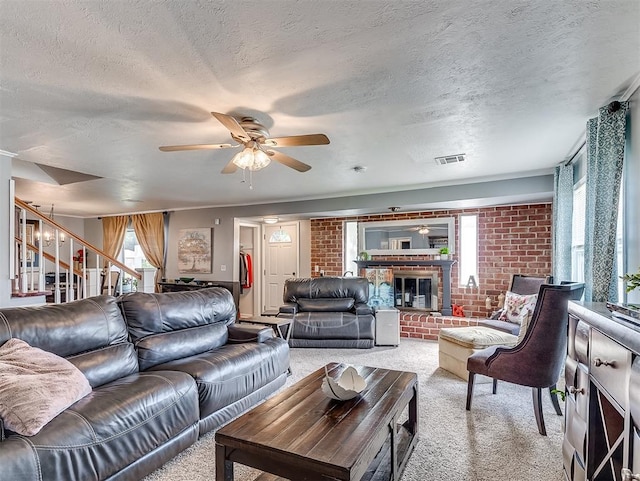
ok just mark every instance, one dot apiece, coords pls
pixel 627 475
pixel 597 362
pixel 574 390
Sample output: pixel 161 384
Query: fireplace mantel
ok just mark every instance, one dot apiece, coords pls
pixel 402 262
pixel 446 275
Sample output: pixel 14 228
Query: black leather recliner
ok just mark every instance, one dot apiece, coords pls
pixel 329 312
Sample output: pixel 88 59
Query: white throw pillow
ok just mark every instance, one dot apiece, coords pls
pixel 525 319
pixel 514 304
pixel 36 386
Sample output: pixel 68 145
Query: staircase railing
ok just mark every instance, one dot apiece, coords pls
pixel 70 279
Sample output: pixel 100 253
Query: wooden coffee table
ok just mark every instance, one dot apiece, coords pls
pixel 300 434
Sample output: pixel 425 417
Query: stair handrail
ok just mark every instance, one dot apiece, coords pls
pixel 80 240
pixel 50 257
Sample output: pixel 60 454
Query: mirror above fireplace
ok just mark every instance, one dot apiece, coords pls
pixel 407 237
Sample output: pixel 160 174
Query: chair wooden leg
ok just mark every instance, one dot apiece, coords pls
pixel 472 376
pixel 554 400
pixel 537 409
pixel 495 385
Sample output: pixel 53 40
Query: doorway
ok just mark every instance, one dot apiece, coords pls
pixel 248 268
pixel 281 262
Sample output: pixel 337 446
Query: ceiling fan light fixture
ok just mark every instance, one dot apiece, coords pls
pixel 423 230
pixel 251 158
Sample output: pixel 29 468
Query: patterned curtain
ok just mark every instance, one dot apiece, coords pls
pixel 605 154
pixel 149 229
pixel 562 218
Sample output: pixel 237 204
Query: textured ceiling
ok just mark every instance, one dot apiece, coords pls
pixel 95 87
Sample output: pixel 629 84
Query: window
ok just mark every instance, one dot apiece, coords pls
pixel 577 232
pixel 132 257
pixel 350 254
pixel 577 236
pixel 468 248
pixel 280 237
pixel 622 295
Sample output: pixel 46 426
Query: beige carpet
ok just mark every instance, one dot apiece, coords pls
pixel 496 440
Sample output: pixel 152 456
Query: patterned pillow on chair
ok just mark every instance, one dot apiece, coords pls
pixel 514 304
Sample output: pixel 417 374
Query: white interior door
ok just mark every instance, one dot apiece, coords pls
pixel 281 257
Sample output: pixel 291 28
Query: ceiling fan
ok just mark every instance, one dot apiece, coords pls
pixel 422 229
pixel 257 152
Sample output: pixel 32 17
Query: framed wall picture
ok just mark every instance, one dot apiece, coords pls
pixel 195 250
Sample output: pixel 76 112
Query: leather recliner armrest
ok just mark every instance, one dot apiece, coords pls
pixel 239 334
pixel 362 309
pixel 289 308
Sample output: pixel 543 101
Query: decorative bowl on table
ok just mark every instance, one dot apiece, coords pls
pixel 186 280
pixel 347 386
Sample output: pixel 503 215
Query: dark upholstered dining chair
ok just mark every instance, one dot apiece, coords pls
pixel 520 284
pixel 538 359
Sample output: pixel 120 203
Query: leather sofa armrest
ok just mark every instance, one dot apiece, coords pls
pixel 288 308
pixel 239 334
pixel 363 309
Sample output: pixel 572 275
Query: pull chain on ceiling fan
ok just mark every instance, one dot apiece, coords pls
pixel 257 153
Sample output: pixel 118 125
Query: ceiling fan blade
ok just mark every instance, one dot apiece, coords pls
pixel 232 124
pixel 230 168
pixel 173 148
pixel 298 140
pixel 288 161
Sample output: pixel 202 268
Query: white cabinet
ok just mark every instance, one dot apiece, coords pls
pixel 387 326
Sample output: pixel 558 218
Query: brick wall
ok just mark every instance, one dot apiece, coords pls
pixel 511 239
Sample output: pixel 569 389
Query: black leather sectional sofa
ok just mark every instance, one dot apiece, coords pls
pixel 164 369
pixel 329 312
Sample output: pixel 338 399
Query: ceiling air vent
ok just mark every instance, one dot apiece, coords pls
pixel 450 159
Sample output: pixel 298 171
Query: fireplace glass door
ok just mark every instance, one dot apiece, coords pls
pixel 415 291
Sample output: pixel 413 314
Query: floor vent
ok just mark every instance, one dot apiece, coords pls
pixel 450 159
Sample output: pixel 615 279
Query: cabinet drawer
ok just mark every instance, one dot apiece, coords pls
pixel 575 428
pixel 581 342
pixel 610 366
pixel 582 391
pixel 570 372
pixel 576 379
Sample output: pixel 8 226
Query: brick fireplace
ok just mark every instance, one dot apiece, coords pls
pixel 441 290
pixel 511 239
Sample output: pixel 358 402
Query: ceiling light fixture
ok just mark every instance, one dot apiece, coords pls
pixel 251 157
pixel 423 230
pixel 270 220
pixel 48 236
